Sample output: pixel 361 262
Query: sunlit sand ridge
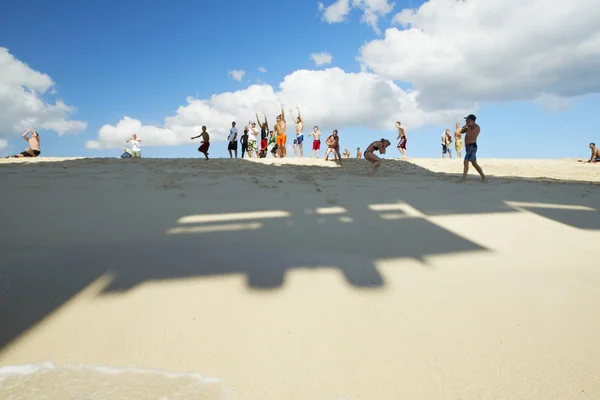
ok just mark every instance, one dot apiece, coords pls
pixel 296 279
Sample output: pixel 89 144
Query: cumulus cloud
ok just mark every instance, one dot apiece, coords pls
pixel 372 10
pixel 335 12
pixel 262 69
pixel 238 75
pixel 22 105
pixel 457 53
pixel 331 98
pixel 321 58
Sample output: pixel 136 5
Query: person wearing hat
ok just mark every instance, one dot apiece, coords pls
pixel 472 132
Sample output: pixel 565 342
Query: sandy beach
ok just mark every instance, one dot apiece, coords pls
pixel 299 279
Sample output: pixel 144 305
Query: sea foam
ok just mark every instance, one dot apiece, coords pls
pixel 50 382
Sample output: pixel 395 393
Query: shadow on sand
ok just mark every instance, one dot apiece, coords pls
pixel 187 227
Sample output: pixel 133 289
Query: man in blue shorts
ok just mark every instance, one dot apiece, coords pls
pixel 472 132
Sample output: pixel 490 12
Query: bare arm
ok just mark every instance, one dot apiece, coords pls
pixel 293 119
pixel 258 120
pixel 25 133
pixel 282 114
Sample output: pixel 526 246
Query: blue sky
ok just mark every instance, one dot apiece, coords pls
pixel 143 59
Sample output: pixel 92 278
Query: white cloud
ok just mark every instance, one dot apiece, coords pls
pixel 321 58
pixel 331 98
pixel 336 12
pixel 372 10
pixel 3 143
pixel 457 53
pixel 22 105
pixel 238 75
pixel 262 69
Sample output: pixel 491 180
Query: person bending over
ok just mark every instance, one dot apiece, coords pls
pixel 379 145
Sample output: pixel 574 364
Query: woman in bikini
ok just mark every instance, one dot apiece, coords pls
pixel 379 145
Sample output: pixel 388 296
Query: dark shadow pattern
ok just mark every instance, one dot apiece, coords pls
pixel 39 272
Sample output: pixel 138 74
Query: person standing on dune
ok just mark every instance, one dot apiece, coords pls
pixel 458 141
pixel 316 148
pixel 472 133
pixel 299 135
pixel 402 137
pixel 280 132
pixel 205 145
pixel 232 140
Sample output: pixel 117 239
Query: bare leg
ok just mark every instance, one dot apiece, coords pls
pixel 230 155
pixel 301 150
pixel 466 169
pixel 478 168
pixel 403 153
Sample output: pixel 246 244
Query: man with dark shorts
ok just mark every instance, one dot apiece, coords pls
pixel 205 145
pixel 34 145
pixel 232 138
pixel 472 132
pixel 595 154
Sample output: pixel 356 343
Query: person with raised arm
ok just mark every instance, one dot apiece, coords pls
pixel 280 131
pixel 205 144
pixel 299 139
pixel 472 133
pixel 379 145
pixel 34 144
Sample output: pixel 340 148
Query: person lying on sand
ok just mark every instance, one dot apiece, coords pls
pixel 333 146
pixel 380 146
pixel 34 144
pixel 205 144
pixel 595 154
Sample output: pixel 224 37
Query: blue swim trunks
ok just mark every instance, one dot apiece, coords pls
pixel 299 139
pixel 471 152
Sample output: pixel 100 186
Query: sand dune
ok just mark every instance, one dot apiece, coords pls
pixel 299 279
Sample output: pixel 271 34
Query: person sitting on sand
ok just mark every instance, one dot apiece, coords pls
pixel 333 146
pixel 379 145
pixel 358 153
pixel 205 144
pixel 472 133
pixel 595 154
pixel 135 151
pixel 34 144
pixel 346 153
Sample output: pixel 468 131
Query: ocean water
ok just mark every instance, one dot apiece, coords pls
pixel 46 381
